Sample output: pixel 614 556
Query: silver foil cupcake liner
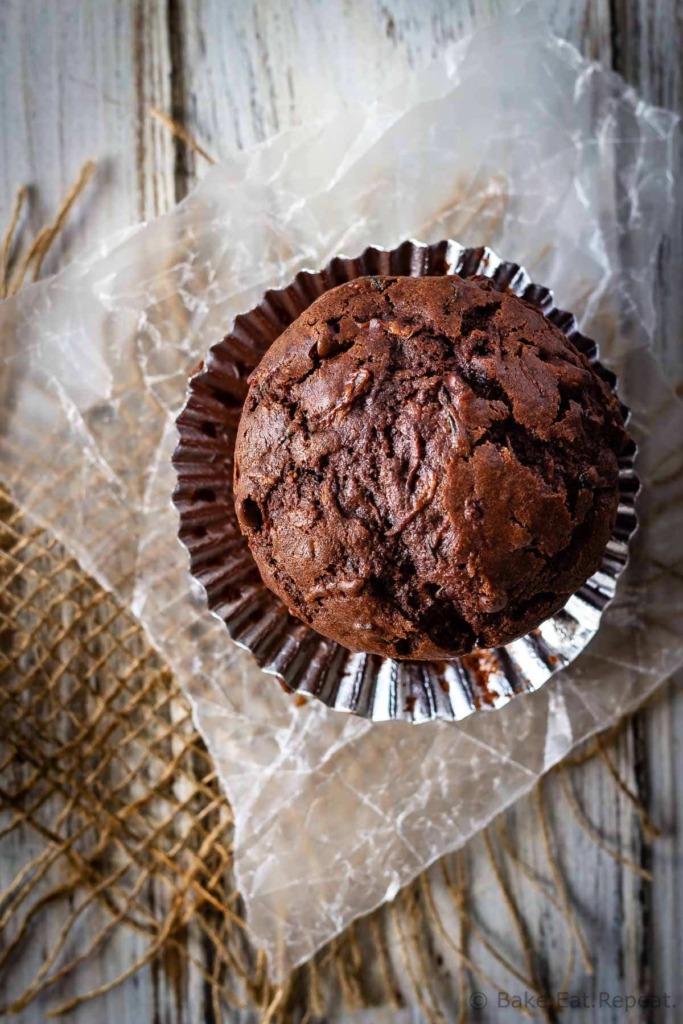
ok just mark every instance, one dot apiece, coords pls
pixel 303 660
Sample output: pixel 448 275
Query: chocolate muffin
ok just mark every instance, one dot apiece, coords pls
pixel 425 466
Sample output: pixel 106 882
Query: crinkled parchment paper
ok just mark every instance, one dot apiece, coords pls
pixel 510 140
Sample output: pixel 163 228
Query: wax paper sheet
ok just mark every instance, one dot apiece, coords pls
pixel 512 140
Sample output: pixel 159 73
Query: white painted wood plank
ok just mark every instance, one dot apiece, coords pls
pixel 648 51
pixel 647 43
pixel 662 768
pixel 256 68
pixel 75 81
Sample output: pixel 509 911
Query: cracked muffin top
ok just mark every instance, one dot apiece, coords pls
pixel 425 466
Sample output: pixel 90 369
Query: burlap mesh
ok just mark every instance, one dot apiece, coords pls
pixel 100 760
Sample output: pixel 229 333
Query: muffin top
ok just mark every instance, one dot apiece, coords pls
pixel 426 465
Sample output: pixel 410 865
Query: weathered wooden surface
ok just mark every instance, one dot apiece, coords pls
pixel 76 81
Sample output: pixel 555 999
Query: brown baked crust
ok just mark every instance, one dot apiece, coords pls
pixel 426 465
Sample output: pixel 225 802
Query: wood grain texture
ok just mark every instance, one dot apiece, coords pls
pixel 76 81
pixel 647 49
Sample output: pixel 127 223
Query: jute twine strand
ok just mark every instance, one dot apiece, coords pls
pixel 463 979
pixel 560 887
pixel 460 951
pixel 117 785
pixel 420 933
pixel 650 830
pixel 518 921
pixel 400 911
pixel 8 238
pixel 470 926
pixel 388 978
pixel 588 827
pixel 180 133
pixel 520 864
pixel 39 248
